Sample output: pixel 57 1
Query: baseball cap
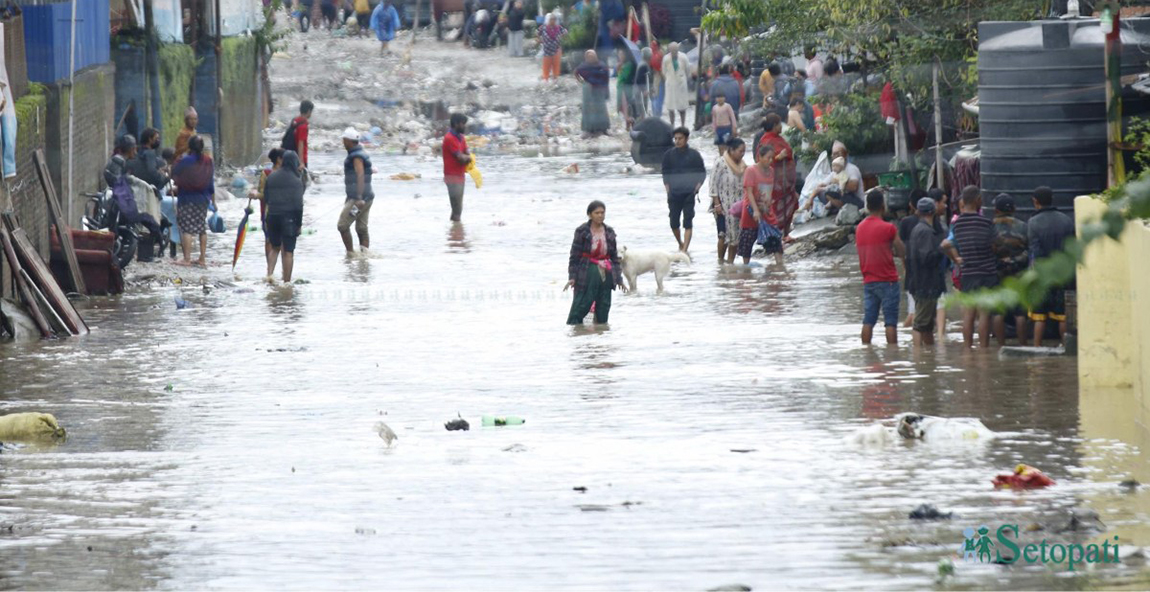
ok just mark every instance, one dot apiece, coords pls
pixel 925 205
pixel 1004 203
pixel 350 134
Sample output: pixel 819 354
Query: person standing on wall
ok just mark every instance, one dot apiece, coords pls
pixel 455 161
pixel 357 185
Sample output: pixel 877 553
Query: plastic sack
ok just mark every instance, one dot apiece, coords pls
pixel 215 221
pixel 475 174
pixel 737 208
pixel 1023 477
pixel 29 426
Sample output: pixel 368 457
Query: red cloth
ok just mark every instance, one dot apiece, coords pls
pixel 742 91
pixel 756 184
pixel 656 57
pixel 453 170
pixel 301 138
pixel 1023 477
pixel 784 200
pixel 874 237
pixel 888 104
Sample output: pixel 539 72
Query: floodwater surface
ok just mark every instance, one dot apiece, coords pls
pixel 708 425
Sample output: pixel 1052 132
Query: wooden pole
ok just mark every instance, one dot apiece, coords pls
pixel 415 23
pixel 1113 55
pixel 940 177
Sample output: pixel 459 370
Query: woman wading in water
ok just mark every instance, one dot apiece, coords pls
pixel 593 270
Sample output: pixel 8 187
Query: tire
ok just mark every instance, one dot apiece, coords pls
pixel 125 246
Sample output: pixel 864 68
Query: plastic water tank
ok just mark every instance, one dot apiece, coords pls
pixel 1041 94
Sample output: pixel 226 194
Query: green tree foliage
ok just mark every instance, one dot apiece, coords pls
pixel 903 38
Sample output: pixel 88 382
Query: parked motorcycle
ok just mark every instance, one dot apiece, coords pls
pixel 103 213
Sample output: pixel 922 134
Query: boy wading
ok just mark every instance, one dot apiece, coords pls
pixel 455 161
pixel 683 175
pixel 357 182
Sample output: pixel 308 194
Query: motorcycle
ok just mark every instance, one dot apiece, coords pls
pixel 103 213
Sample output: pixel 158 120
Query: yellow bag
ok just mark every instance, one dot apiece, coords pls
pixel 474 172
pixel 29 426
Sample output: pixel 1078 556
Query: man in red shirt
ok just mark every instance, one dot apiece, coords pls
pixel 295 139
pixel 878 244
pixel 455 161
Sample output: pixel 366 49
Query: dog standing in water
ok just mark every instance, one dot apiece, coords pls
pixel 637 263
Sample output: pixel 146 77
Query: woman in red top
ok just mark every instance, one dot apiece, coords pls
pixel 758 182
pixel 784 199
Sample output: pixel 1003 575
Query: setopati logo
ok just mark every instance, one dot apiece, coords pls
pixel 1007 549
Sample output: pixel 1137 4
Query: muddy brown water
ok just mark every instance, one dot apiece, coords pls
pixel 261 468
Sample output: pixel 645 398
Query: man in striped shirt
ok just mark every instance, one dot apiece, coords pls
pixel 971 248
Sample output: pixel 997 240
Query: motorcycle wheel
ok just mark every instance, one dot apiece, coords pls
pixel 125 247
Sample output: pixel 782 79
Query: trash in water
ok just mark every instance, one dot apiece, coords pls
pixel 945 567
pixel 491 420
pixel 731 588
pixel 929 512
pixel 743 450
pixel 29 426
pixel 385 433
pixel 580 489
pixel 169 388
pixel 515 448
pixel 364 531
pixel 459 424
pixel 572 168
pixel 406 176
pixel 1130 484
pixel 1023 477
pixel 181 303
pixel 592 508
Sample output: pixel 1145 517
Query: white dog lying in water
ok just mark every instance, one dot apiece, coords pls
pixel 913 426
pixel 636 263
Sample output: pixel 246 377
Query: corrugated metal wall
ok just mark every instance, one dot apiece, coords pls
pixel 47 37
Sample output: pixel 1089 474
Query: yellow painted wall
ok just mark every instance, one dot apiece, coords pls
pixel 1113 296
pixel 1114 371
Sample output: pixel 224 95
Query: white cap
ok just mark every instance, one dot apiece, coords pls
pixel 351 134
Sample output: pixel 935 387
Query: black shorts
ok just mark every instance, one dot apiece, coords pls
pixel 364 20
pixel 970 283
pixel 1053 308
pixel 282 230
pixel 328 12
pixel 682 205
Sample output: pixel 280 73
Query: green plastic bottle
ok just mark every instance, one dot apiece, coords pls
pixel 491 420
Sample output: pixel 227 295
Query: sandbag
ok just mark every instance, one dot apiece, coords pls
pixel 29 426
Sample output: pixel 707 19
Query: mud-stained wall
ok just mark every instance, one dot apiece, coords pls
pixel 1113 313
pixel 241 116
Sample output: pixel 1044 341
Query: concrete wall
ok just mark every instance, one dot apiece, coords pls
pixel 23 194
pixel 242 117
pixel 1113 312
pixel 95 98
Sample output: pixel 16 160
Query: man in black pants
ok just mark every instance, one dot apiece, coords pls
pixel 683 175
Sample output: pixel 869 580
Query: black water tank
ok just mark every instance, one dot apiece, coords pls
pixel 1042 107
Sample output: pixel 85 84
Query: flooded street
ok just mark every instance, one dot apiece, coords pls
pixel 708 425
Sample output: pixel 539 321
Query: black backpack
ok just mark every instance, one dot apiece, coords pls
pixel 289 140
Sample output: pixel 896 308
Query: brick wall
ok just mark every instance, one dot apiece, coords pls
pixel 94 119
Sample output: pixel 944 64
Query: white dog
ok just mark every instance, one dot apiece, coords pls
pixel 636 263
